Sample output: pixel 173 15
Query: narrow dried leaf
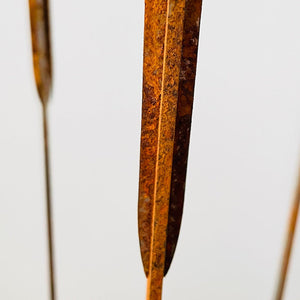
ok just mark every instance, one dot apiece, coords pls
pixel 170 56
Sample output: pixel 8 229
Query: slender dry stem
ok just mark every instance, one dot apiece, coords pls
pixel 288 245
pixel 49 205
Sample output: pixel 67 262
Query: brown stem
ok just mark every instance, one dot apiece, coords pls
pixel 288 245
pixel 49 205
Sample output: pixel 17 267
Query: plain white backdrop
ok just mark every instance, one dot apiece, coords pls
pixel 243 159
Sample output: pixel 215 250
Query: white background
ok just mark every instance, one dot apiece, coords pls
pixel 242 166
